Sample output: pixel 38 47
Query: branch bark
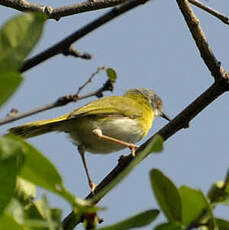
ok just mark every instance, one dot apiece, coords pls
pixel 200 39
pixel 211 11
pixel 57 13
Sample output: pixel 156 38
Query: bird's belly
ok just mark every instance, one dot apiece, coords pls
pixel 124 129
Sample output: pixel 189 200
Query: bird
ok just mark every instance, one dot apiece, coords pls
pixel 105 125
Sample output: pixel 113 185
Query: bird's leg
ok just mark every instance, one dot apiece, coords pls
pixel 82 154
pixel 131 146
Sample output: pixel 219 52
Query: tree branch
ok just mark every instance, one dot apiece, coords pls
pixel 199 37
pixel 61 46
pixel 57 13
pixel 23 5
pixel 211 11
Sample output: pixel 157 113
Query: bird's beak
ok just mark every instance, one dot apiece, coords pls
pixel 165 116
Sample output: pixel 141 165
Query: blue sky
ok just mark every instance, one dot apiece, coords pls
pixel 148 47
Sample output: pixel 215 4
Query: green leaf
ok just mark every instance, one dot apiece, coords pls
pixel 39 170
pixel 222 224
pixel 169 226
pixel 51 216
pixel 131 165
pixel 139 220
pixel 156 144
pixel 34 215
pixel 10 160
pixel 211 221
pixel 32 211
pixel 111 74
pixel 227 177
pixel 196 208
pixel 9 81
pixel 16 210
pixel 25 190
pixel 219 193
pixel 8 222
pixel 193 204
pixel 38 214
pixel 167 195
pixel 8 172
pixel 17 38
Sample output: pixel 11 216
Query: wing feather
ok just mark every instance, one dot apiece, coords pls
pixel 109 106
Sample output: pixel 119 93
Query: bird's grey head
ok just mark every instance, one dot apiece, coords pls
pixel 154 100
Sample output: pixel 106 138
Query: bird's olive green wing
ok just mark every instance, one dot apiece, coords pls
pixel 114 105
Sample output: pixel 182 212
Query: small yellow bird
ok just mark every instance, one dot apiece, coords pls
pixel 105 125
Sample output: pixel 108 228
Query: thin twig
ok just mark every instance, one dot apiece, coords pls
pixel 57 13
pixel 107 86
pixel 211 11
pixel 59 47
pixel 90 79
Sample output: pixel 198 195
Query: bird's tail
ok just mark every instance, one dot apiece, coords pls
pixel 37 128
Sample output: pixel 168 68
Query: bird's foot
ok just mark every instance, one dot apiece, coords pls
pixel 133 149
pixel 92 186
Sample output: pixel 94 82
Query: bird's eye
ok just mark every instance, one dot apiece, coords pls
pixel 159 102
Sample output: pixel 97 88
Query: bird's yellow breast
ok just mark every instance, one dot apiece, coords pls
pixel 146 122
pixel 147 113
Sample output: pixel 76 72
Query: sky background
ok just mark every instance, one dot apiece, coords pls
pixel 149 47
